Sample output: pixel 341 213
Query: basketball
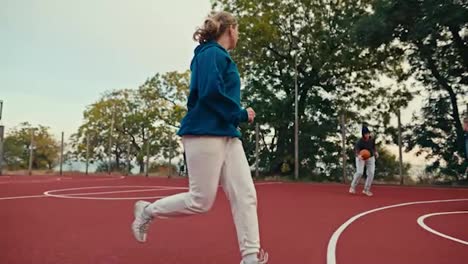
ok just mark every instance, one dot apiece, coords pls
pixel 365 154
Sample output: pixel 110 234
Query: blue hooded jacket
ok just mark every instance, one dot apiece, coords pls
pixel 214 101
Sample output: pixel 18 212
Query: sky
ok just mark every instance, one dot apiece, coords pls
pixel 59 56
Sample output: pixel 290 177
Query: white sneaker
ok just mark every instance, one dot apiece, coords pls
pixel 352 190
pixel 368 193
pixel 141 223
pixel 262 258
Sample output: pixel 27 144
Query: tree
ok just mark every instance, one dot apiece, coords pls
pixel 18 143
pixel 387 166
pixel 144 117
pixel 98 119
pixel 434 134
pixel 435 45
pixel 334 75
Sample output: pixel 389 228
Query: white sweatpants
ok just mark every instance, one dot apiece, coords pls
pixel 360 164
pixel 210 161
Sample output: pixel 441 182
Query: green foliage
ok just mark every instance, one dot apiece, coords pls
pixel 18 143
pixel 387 166
pixel 147 115
pixel 334 76
pixel 431 36
pixel 103 167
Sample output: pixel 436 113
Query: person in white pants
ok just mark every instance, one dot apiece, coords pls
pixel 210 136
pixel 368 143
pixel 465 137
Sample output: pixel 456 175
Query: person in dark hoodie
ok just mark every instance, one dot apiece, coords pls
pixel 210 136
pixel 368 143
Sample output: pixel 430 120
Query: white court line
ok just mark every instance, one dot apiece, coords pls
pixel 29 181
pixel 105 198
pixel 128 191
pixel 21 197
pixel 155 187
pixel 410 187
pixel 113 186
pixel 427 228
pixel 98 179
pixel 331 249
pixel 70 196
pixel 53 193
pixel 55 179
pixel 267 183
pixel 112 192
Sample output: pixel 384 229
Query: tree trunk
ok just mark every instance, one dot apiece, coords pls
pixel 141 164
pixel 426 54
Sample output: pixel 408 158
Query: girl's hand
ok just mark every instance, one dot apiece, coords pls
pixel 251 114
